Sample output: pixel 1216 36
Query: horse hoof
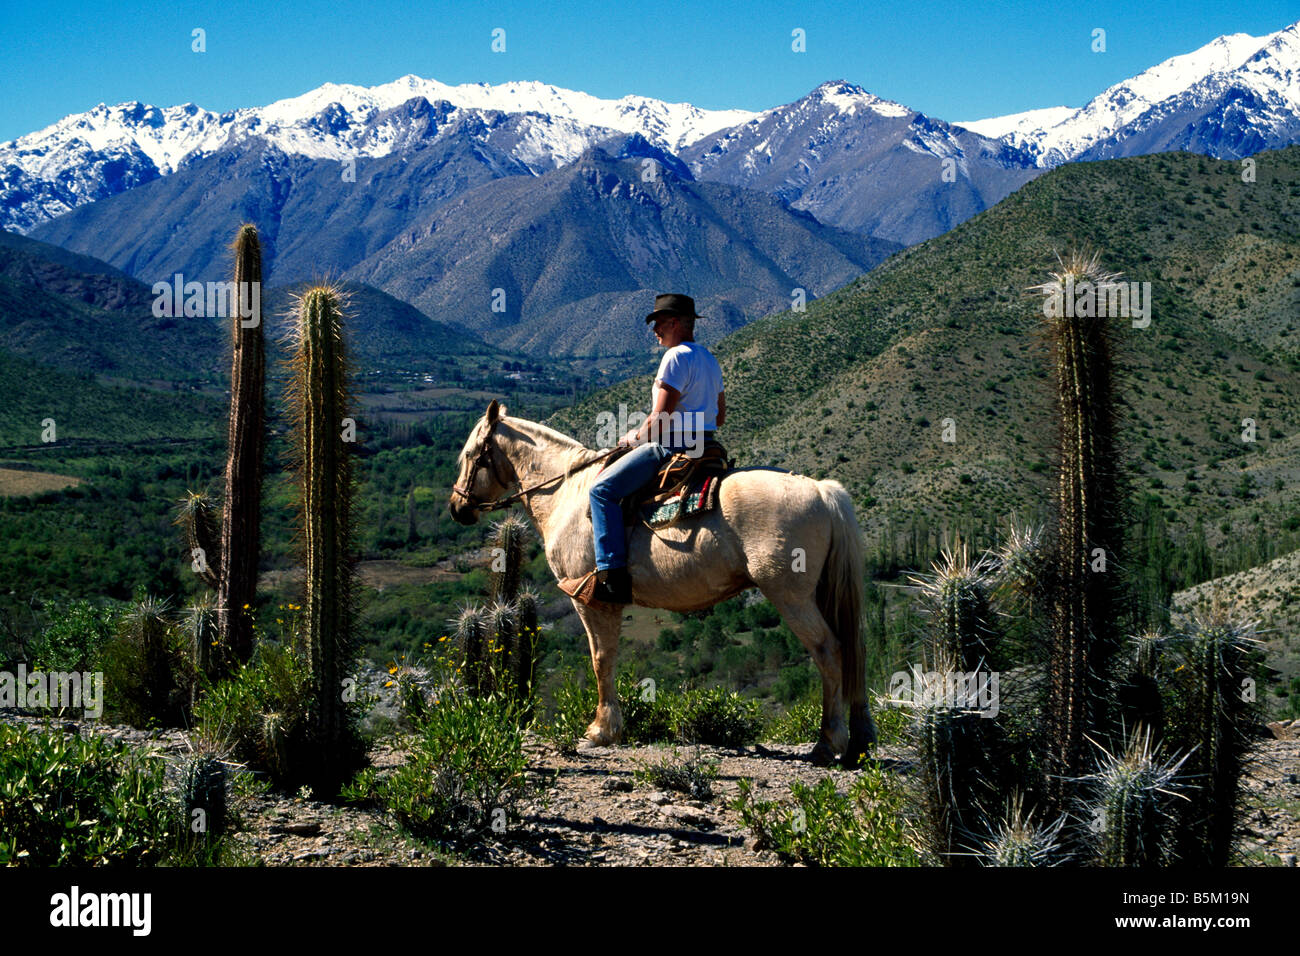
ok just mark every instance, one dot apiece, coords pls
pixel 822 755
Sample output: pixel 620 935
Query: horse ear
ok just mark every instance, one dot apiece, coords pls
pixel 493 412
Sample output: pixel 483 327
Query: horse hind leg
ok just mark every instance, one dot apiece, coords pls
pixel 803 617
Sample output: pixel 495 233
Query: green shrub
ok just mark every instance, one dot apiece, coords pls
pixel 147 671
pixel 648 717
pixel 575 706
pixel 260 714
pixel 717 716
pixel 863 827
pixel 68 801
pixel 464 774
pixel 800 724
pixel 74 636
pixel 692 776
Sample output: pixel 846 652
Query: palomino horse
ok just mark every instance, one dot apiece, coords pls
pixel 793 538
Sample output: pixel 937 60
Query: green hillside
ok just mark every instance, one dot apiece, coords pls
pixel 858 388
pixel 86 411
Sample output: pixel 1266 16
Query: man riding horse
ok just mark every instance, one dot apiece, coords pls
pixel 687 405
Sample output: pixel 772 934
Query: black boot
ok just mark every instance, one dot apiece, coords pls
pixel 613 586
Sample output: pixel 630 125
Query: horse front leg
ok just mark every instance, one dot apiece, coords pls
pixel 603 629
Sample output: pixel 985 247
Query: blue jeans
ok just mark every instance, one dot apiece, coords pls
pixel 618 481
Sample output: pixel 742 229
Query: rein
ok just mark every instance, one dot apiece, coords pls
pixel 506 502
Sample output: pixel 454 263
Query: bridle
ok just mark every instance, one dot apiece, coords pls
pixel 485 459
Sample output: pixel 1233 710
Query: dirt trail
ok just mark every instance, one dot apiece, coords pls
pixel 588 810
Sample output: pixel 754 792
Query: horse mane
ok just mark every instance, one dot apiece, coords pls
pixel 575 452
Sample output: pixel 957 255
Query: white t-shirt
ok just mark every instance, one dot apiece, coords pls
pixel 695 373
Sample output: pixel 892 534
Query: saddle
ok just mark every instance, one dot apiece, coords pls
pixel 683 486
pixel 682 477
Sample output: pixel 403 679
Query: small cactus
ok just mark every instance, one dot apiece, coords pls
pixel 276 746
pixel 1132 813
pixel 203 634
pixel 955 775
pixel 962 624
pixel 1018 841
pixel 502 626
pixel 523 655
pixel 197 516
pixel 509 537
pixel 471 629
pixel 203 796
pixel 1214 710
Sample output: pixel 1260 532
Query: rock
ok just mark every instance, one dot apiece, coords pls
pixel 1288 859
pixel 688 816
pixel 303 828
pixel 659 798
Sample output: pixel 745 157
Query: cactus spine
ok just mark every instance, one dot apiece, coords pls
pixel 240 539
pixel 319 398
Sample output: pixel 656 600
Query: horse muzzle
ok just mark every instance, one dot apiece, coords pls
pixel 462 512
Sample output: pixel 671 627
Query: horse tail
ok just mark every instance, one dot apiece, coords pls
pixel 839 590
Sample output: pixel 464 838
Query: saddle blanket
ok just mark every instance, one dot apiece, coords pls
pixel 697 500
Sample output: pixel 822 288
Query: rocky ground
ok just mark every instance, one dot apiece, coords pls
pixel 590 810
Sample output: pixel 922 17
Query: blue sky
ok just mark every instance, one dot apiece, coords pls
pixel 956 61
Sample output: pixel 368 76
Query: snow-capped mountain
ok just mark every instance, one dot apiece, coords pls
pixel 1234 96
pixel 1020 125
pixel 863 163
pixel 849 157
pixel 91 155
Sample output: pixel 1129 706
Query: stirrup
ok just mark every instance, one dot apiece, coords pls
pixel 613 586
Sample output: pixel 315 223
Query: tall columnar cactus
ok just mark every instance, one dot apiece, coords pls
pixel 320 398
pixel 1084 594
pixel 1215 709
pixel 240 534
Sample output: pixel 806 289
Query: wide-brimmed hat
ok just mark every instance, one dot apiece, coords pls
pixel 673 304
